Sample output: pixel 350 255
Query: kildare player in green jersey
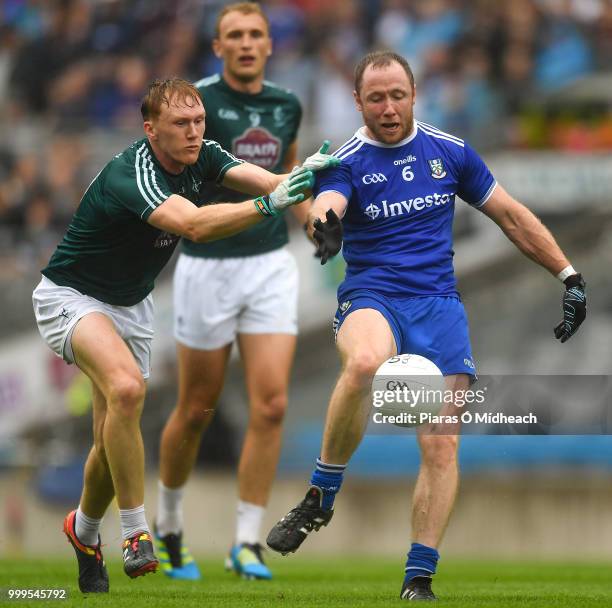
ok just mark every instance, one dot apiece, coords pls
pixel 93 305
pixel 242 287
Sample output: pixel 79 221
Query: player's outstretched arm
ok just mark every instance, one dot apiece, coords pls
pixel 251 179
pixel 178 215
pixel 525 230
pixel 531 237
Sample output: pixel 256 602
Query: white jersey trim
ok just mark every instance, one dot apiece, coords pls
pixel 212 142
pixel 344 146
pixel 273 85
pixel 441 135
pixel 233 159
pixel 162 194
pixel 486 197
pixel 433 129
pixel 350 151
pixel 204 82
pixel 360 134
pixel 142 180
pixel 329 190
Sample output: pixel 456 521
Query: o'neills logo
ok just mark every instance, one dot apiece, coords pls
pixel 258 146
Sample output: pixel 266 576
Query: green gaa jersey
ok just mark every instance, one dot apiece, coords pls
pixel 109 251
pixel 257 128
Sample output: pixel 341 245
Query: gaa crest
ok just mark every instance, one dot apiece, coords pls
pixel 437 168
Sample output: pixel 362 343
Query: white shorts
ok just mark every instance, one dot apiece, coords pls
pixel 58 309
pixel 217 298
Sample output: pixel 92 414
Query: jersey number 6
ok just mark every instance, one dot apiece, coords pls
pixel 407 174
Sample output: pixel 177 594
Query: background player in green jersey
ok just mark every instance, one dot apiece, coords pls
pixel 93 305
pixel 244 286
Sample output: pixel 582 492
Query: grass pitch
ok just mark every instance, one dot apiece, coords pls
pixel 328 582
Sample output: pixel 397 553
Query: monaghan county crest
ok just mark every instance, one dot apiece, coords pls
pixel 437 168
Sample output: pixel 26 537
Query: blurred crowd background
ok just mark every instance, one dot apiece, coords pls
pixel 527 82
pixel 71 69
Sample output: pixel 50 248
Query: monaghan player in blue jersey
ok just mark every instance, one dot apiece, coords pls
pixel 395 192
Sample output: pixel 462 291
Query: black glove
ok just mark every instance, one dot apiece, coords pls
pixel 328 236
pixel 574 307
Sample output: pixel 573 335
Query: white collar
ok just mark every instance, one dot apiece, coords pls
pixel 360 134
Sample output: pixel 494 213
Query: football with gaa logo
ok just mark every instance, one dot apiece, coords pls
pixel 406 389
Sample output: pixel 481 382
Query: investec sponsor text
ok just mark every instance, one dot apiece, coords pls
pixel 412 204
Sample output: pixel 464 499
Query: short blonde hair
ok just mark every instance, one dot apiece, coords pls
pixel 246 8
pixel 162 91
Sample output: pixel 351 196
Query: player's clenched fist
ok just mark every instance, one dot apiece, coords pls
pixel 327 236
pixel 574 307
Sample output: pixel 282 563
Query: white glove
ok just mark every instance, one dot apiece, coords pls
pixel 321 160
pixel 289 192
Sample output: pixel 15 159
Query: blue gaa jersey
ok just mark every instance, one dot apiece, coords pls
pixel 401 200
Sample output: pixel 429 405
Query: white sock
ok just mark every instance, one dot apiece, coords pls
pixel 248 522
pixel 133 521
pixel 86 528
pixel 169 519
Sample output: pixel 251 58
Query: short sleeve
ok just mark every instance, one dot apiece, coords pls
pixel 139 187
pixel 215 161
pixel 337 179
pixel 476 183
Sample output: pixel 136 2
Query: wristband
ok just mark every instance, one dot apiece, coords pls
pixel 262 204
pixel 568 271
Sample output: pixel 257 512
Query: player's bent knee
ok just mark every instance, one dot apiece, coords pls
pixel 269 412
pixel 126 394
pixel 360 369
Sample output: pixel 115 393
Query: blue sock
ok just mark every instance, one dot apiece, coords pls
pixel 422 561
pixel 328 477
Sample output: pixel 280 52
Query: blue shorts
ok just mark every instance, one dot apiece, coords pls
pixel 435 327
